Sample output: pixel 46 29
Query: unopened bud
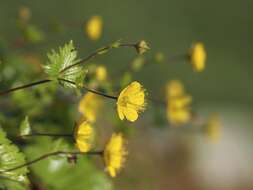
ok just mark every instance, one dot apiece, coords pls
pixel 142 47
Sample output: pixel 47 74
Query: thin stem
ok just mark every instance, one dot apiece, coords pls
pixel 90 90
pixel 25 86
pixel 49 155
pixel 100 93
pixel 94 54
pixel 128 45
pixel 47 134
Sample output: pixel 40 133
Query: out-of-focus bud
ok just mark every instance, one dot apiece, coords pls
pixel 101 73
pixel 138 63
pixel 126 79
pixel 159 57
pixel 198 57
pixel 94 27
pixel 24 14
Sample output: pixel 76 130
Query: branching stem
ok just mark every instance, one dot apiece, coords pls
pixel 89 57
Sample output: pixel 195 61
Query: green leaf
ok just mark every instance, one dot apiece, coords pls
pixel 80 78
pixel 11 157
pixel 25 128
pixel 58 61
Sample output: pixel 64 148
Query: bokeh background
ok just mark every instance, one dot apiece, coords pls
pixel 161 158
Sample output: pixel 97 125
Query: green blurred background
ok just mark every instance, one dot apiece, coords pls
pixel 161 159
pixel 169 26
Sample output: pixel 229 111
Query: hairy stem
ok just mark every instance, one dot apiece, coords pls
pixel 90 90
pixel 47 81
pixel 89 57
pixel 25 86
pixel 52 154
pixel 47 135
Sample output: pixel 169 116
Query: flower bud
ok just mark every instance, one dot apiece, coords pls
pixel 142 47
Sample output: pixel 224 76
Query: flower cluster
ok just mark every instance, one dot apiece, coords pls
pixel 178 103
pixel 130 102
pixel 65 68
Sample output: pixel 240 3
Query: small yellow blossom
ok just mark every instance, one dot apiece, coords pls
pixel 84 136
pixel 213 128
pixel 101 73
pixel 115 154
pixel 131 101
pixel 178 107
pixel 198 57
pixel 94 27
pixel 90 105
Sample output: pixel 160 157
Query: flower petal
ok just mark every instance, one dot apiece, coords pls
pixel 120 112
pixel 130 113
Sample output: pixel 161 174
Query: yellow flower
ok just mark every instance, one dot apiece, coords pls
pixel 213 128
pixel 198 57
pixel 101 73
pixel 178 107
pixel 84 136
pixel 90 105
pixel 115 154
pixel 94 27
pixel 131 101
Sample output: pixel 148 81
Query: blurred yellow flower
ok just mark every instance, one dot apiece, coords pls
pixel 24 14
pixel 94 27
pixel 178 104
pixel 89 106
pixel 198 56
pixel 115 154
pixel 131 101
pixel 84 136
pixel 174 89
pixel 213 128
pixel 101 73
